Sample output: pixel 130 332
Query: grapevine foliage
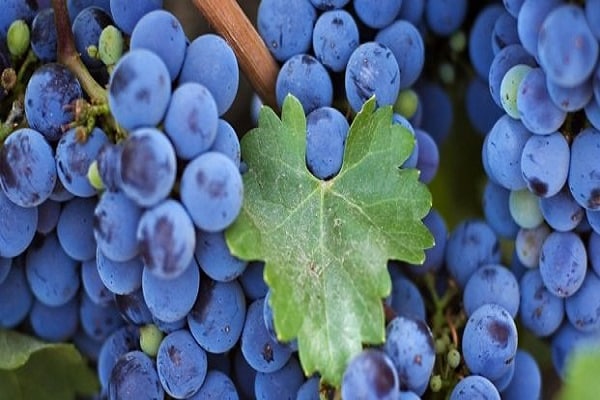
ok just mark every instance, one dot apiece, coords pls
pixel 326 243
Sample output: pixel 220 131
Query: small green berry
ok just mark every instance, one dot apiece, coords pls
pixel 406 104
pixel 110 45
pixel 17 38
pixel 150 338
pixel 440 346
pixel 93 176
pixel 454 358
pixel 435 384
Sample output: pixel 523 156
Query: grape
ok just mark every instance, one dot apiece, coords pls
pixel 27 168
pixel 212 191
pixel 43 35
pixel 584 180
pixel 181 364
pixel 493 283
pixel 527 379
pixel 259 349
pixel 481 53
pixel 504 32
pixel 15 297
pixel 509 88
pixel 370 374
pixel 379 14
pixel 497 212
pixel 593 218
pixel 133 308
pixel 525 208
pixel 244 375
pixel 13 10
pixel 134 377
pixel 161 32
pixel 408 395
pixel 513 6
pixel 406 42
pixel 119 277
pixel 583 307
pixel 434 256
pixel 435 101
pixel 88 347
pixel 474 386
pixel 52 275
pixel 592 113
pixel 428 159
pixel 593 248
pixel 504 60
pixel 127 14
pixel 471 244
pixel 217 317
pixel 214 257
pixel 51 88
pixel 5 266
pixel 408 339
pixel 56 323
pixel 567 49
pixel 334 38
pixel 281 384
pixel 529 22
pixel 372 71
pixel 116 219
pixel 489 341
pixel 227 142
pixel 48 214
pixel 87 27
pixel 444 16
pixel 286 27
pixel 139 81
pixel 150 339
pixel 171 299
pixel 74 7
pixel 329 4
pixel 17 226
pixel 309 390
pixel 73 159
pixel 75 230
pixel 98 321
pixel 592 8
pixel 121 341
pixel 168 327
pixel 528 244
pixel 192 120
pixel 412 11
pixel 109 166
pixel 201 56
pixel 92 284
pixel 252 281
pixel 406 300
pixel 217 385
pixel 563 263
pixel 326 132
pixel 503 382
pixel 307 79
pixel 481 108
pixel 566 341
pixel 570 99
pixel 561 211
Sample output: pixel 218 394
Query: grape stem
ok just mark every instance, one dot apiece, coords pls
pixel 229 20
pixel 68 56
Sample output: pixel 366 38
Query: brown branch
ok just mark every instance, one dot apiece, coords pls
pixel 229 20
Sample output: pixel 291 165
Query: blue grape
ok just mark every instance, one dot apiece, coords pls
pixel 406 300
pixel 408 396
pixel 592 113
pixel 372 70
pixel 16 298
pixel 504 32
pixel 44 36
pixel 98 321
pixel 217 317
pixel 27 168
pixel 527 379
pixel 244 375
pixel 497 212
pixel 408 339
pixel 116 219
pixel 74 7
pixel 504 148
pixel 92 283
pixel 309 390
pixel 481 108
pixel 567 49
pixel 134 376
pixel 444 17
pixel 281 384
pixel 48 213
pixel 593 248
pixel 570 99
pixel 52 275
pixel 109 166
pixel 127 14
pixel 326 132
pixel 13 10
pixel 227 142
pixel 412 11
pixel 406 42
pixel 161 32
pixel 377 14
pixel 50 90
pixel 592 9
pixel 192 120
pixel 528 244
pixel 73 159
pixel 17 226
pixel 169 327
pixel 181 364
pixel 286 27
pixel 329 4
pixel 147 167
pixel 434 256
pixel 428 160
pixel 481 53
pixel 565 342
pixel 334 38
pixel 87 27
pixel 584 180
pixel 513 6
pixel 139 81
pixel 252 281
pixel 217 385
pixel 134 310
pixel 583 307
pixel 260 350
pixel 504 60
pixel 56 323
pixel 470 245
pixel 561 211
pixel 5 266
pixel 201 56
pixel 545 164
pixel 171 299
pixel 304 77
pixel 538 112
pixel 489 341
pixel 563 263
pixel 119 277
pixel 120 342
pixel 87 346
pixel 492 283
pixel 212 191
pixel 593 219
pixel 529 22
pixel 474 386
pixel 75 230
pixel 434 100
pixel 215 258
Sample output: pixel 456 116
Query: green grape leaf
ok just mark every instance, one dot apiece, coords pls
pixel 326 243
pixel 31 369
pixel 581 374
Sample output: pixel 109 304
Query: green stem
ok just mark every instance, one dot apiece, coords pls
pixel 12 121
